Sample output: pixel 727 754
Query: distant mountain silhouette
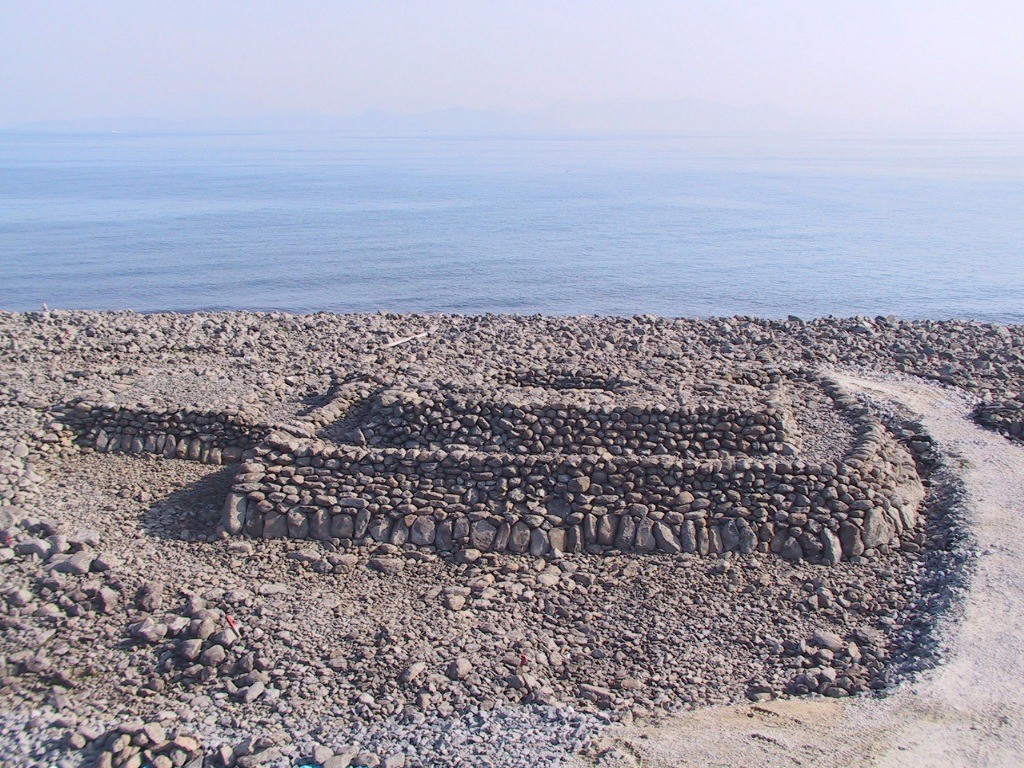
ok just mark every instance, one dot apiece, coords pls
pixel 618 116
pixel 614 116
pixel 681 115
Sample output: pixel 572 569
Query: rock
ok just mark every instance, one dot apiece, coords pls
pixel 399 533
pixel 107 599
pixel 190 649
pixel 413 672
pixel 150 596
pixel 748 539
pixel 823 638
pixel 233 515
pixel 481 535
pixel 186 743
pixel 271 588
pixel 104 561
pixel 423 531
pixel 443 536
pixel 688 537
pixel 645 540
pixel 538 542
pixel 176 625
pixel 791 549
pixel 77 564
pixel 877 529
pixel 600 696
pixel 75 740
pixel 342 561
pixel 667 540
pixel 250 693
pixel 213 656
pixel 460 668
pixel 627 533
pixel 849 536
pixel 528 435
pixel 86 537
pixel 730 534
pixel 148 631
pixel 225 637
pixel 869 636
pixel 39 548
pixel 454 602
pixel 391 566
pixel 19 598
pixel 308 555
pixel 265 757
pixel 10 516
pixel 579 484
pixel 831 548
pixel 320 525
pixel 155 733
pixel 549 578
pixel 322 754
pixel 556 539
pixel 275 526
pixel 519 538
pixel 241 548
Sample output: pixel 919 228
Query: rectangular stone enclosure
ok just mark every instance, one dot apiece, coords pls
pixel 446 472
pixel 532 478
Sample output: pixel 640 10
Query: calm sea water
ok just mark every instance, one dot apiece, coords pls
pixel 693 225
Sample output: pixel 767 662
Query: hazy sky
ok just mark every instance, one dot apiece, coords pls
pixel 867 63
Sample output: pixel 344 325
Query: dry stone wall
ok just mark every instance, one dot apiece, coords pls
pixel 205 436
pixel 565 379
pixel 448 499
pixel 395 421
pixel 456 474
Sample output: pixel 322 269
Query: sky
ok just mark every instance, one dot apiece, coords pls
pixel 864 65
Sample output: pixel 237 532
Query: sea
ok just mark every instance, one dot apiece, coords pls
pixel 923 226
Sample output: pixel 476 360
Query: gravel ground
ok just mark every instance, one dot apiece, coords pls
pixel 966 710
pixel 391 657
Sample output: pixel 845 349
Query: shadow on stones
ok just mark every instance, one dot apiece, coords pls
pixel 314 400
pixel 193 512
pixel 946 559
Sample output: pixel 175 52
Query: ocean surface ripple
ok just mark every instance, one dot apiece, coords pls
pixel 920 227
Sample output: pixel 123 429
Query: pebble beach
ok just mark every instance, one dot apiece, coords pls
pixel 142 624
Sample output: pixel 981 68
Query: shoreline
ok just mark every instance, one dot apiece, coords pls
pixel 267 311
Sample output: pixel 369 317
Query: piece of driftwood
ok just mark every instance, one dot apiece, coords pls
pixel 402 341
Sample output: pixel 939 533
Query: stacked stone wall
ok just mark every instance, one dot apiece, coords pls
pixel 453 499
pixel 630 494
pixel 566 379
pixel 206 436
pixel 706 431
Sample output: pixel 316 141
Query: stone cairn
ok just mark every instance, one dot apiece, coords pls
pixel 447 473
